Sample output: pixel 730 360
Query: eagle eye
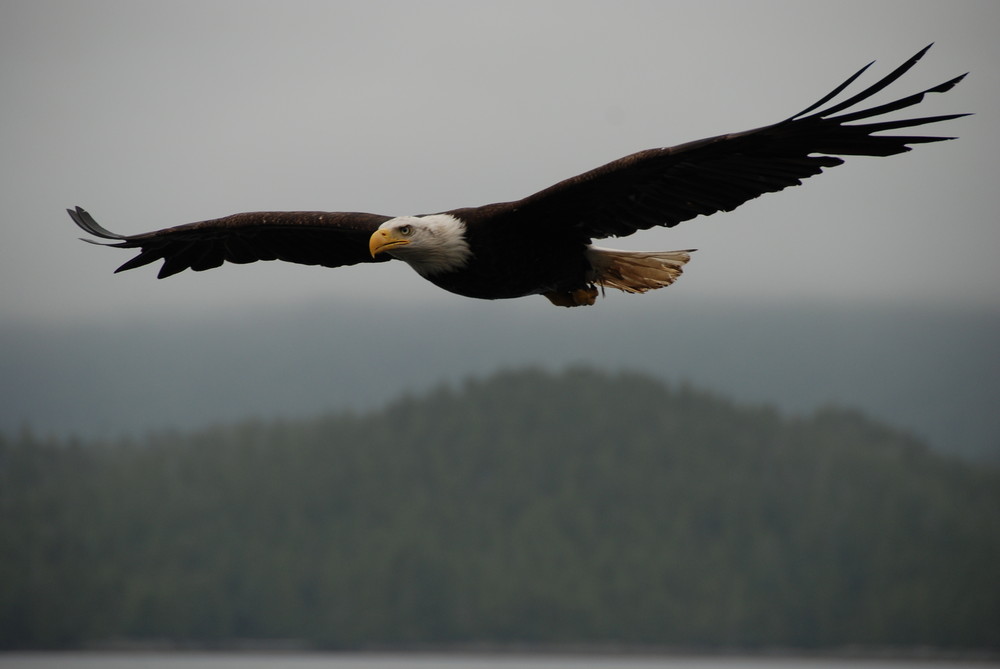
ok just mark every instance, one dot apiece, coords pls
pixel 405 230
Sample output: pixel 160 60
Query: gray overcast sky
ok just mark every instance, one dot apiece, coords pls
pixel 152 114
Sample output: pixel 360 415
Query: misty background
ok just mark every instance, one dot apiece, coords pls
pixel 872 286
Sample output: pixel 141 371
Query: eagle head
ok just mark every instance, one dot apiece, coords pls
pixel 430 244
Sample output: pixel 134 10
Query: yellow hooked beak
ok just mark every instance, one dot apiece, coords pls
pixel 383 240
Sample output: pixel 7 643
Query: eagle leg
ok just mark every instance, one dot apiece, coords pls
pixel 573 298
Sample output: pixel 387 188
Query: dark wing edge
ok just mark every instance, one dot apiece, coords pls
pixel 330 239
pixel 663 187
pixel 859 139
pixel 87 223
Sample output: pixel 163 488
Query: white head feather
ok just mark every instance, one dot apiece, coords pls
pixel 437 242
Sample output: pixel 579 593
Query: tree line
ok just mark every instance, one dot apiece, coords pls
pixel 528 507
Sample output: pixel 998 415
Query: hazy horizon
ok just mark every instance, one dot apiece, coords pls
pixel 934 372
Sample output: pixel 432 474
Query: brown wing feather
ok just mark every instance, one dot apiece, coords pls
pixel 330 239
pixel 663 187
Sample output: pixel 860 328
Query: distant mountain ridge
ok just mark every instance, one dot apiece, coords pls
pixel 524 508
pixel 935 372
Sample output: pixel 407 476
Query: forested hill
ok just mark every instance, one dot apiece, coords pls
pixel 530 507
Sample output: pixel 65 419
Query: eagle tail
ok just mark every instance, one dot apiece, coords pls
pixel 636 271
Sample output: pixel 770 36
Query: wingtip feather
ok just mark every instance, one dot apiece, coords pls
pixel 86 222
pixel 948 85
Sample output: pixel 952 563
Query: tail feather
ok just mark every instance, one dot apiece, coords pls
pixel 636 271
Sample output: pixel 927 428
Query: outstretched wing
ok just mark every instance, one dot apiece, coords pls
pixel 330 239
pixel 662 187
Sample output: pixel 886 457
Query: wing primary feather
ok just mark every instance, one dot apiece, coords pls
pixel 909 123
pixel 144 258
pixel 876 87
pixel 87 223
pixel 896 105
pixel 834 93
pixel 178 261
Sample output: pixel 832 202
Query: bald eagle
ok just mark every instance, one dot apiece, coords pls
pixel 542 244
